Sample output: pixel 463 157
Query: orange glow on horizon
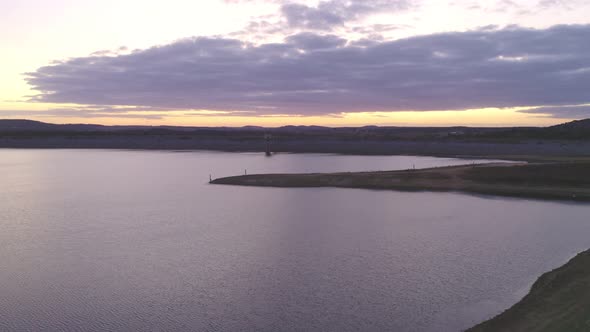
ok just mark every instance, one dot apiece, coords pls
pixel 486 117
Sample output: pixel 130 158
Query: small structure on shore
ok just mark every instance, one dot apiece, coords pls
pixel 267 138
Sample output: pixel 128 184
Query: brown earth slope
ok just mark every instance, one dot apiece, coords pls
pixel 559 301
pixel 564 181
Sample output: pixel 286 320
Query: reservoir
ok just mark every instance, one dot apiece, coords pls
pixel 138 240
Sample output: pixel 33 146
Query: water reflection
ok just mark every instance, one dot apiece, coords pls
pixel 138 240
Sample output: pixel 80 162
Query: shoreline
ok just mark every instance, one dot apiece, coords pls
pixel 559 300
pixel 532 158
pixel 521 150
pixel 553 181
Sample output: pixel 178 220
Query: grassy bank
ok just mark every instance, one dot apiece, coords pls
pixel 558 180
pixel 558 301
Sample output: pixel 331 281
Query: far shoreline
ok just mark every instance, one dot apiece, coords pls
pixel 451 150
pixel 561 142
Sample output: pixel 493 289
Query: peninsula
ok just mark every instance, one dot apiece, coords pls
pixel 568 180
pixel 560 299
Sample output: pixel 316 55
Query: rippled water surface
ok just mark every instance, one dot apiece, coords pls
pixel 137 240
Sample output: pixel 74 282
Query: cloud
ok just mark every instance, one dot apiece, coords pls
pixel 520 8
pixel 91 111
pixel 76 113
pixel 302 16
pixel 333 13
pixel 307 41
pixel 310 73
pixel 569 4
pixel 567 111
pixel 327 16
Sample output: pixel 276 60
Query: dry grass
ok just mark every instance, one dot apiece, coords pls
pixel 557 180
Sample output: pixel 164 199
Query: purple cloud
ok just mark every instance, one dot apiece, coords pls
pixel 322 74
pixel 334 13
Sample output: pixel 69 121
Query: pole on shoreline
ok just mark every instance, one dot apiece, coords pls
pixel 267 138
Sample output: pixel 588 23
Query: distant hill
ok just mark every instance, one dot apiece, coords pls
pixel 30 125
pixel 579 129
pixel 17 125
pixel 571 139
pixel 574 130
pixel 574 125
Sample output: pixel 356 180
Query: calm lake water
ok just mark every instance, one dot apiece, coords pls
pixel 137 240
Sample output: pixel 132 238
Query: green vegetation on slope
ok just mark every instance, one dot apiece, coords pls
pixel 559 301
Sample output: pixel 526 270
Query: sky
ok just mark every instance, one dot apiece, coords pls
pixel 275 62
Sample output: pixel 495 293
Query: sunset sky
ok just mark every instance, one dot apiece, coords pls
pixel 274 62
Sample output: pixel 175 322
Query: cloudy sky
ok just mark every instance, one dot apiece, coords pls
pixel 275 62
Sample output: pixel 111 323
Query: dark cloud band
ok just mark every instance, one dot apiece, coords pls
pixel 321 74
